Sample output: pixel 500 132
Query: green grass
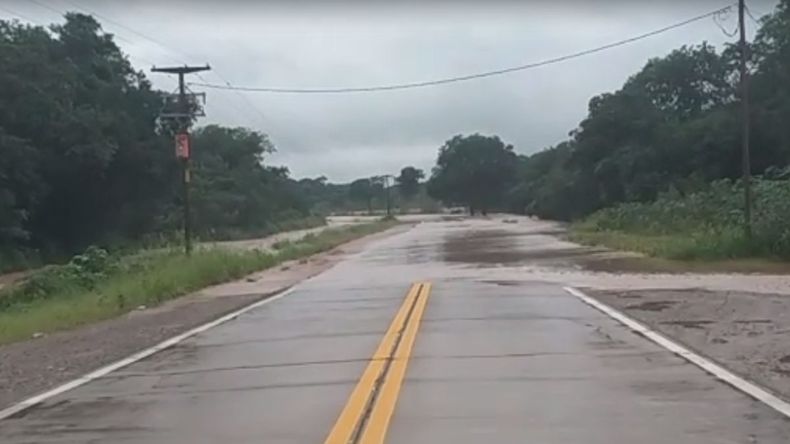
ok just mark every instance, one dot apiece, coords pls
pixel 703 225
pixel 96 286
pixel 685 246
pixel 677 254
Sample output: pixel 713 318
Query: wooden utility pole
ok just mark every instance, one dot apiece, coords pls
pixel 387 190
pixel 745 123
pixel 183 115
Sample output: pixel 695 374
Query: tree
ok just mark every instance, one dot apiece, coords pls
pixel 19 184
pixel 88 121
pixel 409 181
pixel 86 160
pixel 364 190
pixel 687 82
pixel 475 171
pixel 770 88
pixel 234 192
pixel 673 123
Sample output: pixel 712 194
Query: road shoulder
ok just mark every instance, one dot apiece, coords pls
pixel 745 332
pixel 35 365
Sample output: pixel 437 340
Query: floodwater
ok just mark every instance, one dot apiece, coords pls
pixel 538 251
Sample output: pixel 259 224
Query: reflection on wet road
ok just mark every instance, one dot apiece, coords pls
pixel 433 335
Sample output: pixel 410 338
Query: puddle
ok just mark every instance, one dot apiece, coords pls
pixel 652 305
pixel 507 283
pixel 503 247
pixel 695 324
pixel 754 321
pixel 541 248
pixel 781 371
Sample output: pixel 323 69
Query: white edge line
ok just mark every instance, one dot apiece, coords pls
pixel 96 374
pixel 750 388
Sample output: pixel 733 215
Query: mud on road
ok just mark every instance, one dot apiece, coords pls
pixel 741 320
pixel 748 333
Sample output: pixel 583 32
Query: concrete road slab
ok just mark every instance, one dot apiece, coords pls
pixel 515 364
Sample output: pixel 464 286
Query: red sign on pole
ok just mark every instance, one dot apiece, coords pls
pixel 182 145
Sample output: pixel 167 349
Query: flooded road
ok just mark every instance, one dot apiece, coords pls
pixel 451 332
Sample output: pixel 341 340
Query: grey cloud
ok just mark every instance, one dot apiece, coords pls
pixel 333 44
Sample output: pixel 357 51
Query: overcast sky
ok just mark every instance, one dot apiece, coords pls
pixel 336 44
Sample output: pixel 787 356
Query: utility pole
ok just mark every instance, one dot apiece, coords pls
pixel 387 189
pixel 745 122
pixel 183 115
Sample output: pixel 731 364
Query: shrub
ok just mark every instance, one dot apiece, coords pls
pixel 708 223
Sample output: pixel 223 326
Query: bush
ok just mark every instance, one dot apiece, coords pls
pixel 96 285
pixel 704 224
pixel 82 272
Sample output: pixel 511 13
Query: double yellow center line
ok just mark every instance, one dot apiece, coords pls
pixel 367 413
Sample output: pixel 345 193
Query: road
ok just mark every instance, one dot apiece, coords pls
pixel 410 341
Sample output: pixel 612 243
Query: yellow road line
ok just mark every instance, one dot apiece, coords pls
pixel 357 403
pixel 379 419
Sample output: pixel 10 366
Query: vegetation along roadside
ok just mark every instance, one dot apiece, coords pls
pixel 703 225
pixel 96 285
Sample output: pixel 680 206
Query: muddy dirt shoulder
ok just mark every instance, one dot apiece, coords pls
pixel 749 333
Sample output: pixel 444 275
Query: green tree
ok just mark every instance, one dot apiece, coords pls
pixel 687 82
pixel 86 160
pixel 365 190
pixel 673 123
pixel 475 171
pixel 88 121
pixel 409 181
pixel 770 87
pixel 234 192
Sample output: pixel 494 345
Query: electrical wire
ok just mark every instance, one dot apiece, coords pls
pixel 119 37
pixel 167 48
pixel 719 19
pixel 132 30
pixel 755 20
pixel 45 6
pixel 467 77
pixel 171 50
pixel 18 15
pixel 38 23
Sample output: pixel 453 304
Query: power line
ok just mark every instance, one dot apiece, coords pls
pixel 719 19
pixel 38 23
pixel 132 30
pixel 45 6
pixel 18 15
pixel 755 20
pixel 242 96
pixel 63 13
pixel 169 49
pixel 463 78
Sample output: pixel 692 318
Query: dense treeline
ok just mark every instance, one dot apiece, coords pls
pixel 474 171
pixel 406 191
pixel 85 160
pixel 673 126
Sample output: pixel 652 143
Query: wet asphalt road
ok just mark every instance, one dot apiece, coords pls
pixel 498 361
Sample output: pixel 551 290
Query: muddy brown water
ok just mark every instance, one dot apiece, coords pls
pixel 740 320
pixel 503 247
